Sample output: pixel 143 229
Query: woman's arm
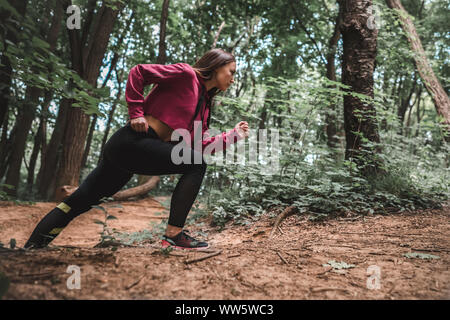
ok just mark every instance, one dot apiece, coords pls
pixel 221 141
pixel 142 75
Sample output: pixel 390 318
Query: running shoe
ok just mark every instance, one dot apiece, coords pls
pixel 183 241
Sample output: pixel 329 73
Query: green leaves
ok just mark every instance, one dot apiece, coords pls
pixel 339 265
pixel 419 255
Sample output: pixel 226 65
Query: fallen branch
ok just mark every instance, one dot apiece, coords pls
pixel 281 257
pixel 65 191
pixel 286 213
pixel 142 189
pixel 134 283
pixel 204 257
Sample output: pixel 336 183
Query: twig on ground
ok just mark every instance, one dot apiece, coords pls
pixel 134 283
pixel 281 257
pixel 204 257
pixel 323 272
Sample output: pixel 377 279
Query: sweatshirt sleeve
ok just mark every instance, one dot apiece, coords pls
pixel 142 75
pixel 220 141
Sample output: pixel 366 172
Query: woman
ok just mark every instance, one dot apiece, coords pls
pixel 181 95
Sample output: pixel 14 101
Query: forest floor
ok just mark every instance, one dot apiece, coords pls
pixel 294 264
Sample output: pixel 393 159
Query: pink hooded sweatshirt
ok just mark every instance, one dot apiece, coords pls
pixel 173 100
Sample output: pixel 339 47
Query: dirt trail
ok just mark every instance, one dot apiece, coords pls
pixel 295 264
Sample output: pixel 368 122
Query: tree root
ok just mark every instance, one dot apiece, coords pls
pixel 286 213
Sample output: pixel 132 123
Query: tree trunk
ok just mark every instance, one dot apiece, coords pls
pixel 89 140
pixel 4 145
pixel 89 68
pixel 5 66
pixel 46 176
pixel 25 120
pixel 39 139
pixel 162 33
pixel 404 104
pixel 432 84
pixel 112 67
pixel 330 119
pixel 23 123
pixel 216 37
pixel 360 48
pixel 108 125
pixel 5 152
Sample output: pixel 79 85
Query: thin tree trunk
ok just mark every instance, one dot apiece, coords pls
pixel 38 141
pixel 360 48
pixel 112 67
pixel 46 176
pixel 408 120
pixel 404 103
pixel 108 125
pixel 331 119
pixel 430 81
pixel 24 121
pixel 216 37
pixel 5 150
pixel 89 140
pixel 162 56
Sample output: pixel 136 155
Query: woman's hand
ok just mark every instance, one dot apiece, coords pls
pixel 242 129
pixel 139 124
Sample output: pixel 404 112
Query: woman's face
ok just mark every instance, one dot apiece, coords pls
pixel 225 76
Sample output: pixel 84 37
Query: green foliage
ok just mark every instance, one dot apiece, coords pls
pixel 317 179
pixel 107 235
pixel 412 255
pixel 338 265
pixel 3 195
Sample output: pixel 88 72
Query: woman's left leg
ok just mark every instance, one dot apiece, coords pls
pixel 104 181
pixel 151 156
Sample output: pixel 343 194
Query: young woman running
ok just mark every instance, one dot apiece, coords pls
pixel 181 95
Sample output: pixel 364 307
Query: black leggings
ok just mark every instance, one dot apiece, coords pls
pixel 126 153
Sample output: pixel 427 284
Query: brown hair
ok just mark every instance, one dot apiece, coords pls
pixel 209 62
pixel 206 66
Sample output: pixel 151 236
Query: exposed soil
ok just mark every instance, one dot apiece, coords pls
pixel 250 265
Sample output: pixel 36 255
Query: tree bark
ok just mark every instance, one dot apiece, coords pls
pixel 360 48
pixel 23 123
pixel 89 68
pixel 5 67
pixel 46 176
pixel 429 79
pixel 405 103
pixel 162 56
pixel 216 37
pixel 113 65
pixel 330 120
pixel 39 140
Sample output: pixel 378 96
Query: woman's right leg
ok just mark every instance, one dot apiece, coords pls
pixel 103 181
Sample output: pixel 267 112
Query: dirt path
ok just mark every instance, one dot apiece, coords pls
pixel 295 264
